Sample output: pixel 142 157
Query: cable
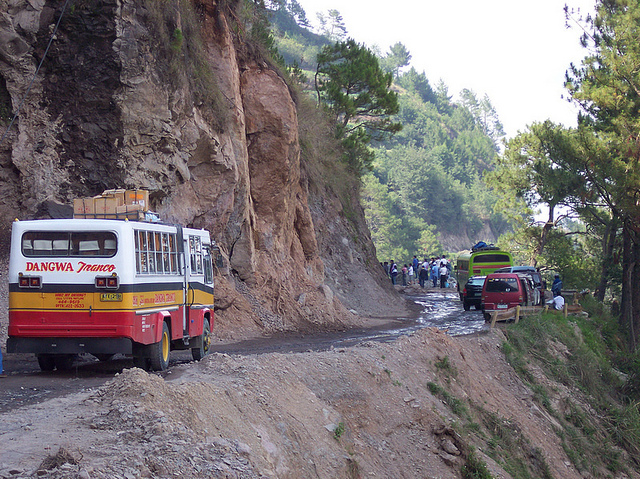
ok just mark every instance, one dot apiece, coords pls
pixel 24 97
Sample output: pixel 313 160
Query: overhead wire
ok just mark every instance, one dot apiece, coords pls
pixel 35 74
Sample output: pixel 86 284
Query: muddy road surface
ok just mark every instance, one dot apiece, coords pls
pixel 25 384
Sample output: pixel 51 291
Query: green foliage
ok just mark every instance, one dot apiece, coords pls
pixel 426 177
pixel 456 405
pixel 332 25
pixel 445 365
pixel 429 177
pixel 397 58
pixel 509 446
pixel 474 468
pixel 350 82
pixel 339 431
pixel 593 345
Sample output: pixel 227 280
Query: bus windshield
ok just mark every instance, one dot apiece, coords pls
pixel 100 244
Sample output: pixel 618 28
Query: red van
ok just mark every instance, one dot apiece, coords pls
pixel 503 291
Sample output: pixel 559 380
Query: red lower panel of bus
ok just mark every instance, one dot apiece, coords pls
pixel 72 324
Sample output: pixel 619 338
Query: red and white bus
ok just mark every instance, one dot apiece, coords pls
pixel 104 287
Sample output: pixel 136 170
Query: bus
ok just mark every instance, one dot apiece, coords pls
pixel 107 287
pixel 480 261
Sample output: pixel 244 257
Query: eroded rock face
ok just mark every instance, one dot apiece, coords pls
pixel 101 113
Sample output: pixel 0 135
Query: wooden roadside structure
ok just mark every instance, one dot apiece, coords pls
pixel 518 311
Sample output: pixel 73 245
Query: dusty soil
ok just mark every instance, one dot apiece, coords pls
pixel 362 411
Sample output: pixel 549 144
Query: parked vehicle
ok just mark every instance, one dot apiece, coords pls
pixel 480 261
pixel 472 292
pixel 533 274
pixel 503 291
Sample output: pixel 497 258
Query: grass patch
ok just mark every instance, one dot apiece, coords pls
pixel 456 405
pixel 474 468
pixel 446 367
pixel 510 447
pixel 579 352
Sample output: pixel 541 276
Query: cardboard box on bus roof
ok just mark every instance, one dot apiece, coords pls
pixel 118 194
pixel 129 197
pixel 83 206
pixel 137 197
pixel 105 206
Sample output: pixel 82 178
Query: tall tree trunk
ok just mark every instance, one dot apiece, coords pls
pixel 608 244
pixel 635 287
pixel 630 307
pixel 625 306
pixel 544 236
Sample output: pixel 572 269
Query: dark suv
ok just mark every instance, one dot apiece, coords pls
pixel 472 292
pixel 532 273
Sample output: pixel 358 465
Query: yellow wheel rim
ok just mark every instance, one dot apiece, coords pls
pixel 165 346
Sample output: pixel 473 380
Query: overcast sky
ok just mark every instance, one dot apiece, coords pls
pixel 515 51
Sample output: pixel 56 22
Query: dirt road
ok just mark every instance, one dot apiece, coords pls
pixel 27 385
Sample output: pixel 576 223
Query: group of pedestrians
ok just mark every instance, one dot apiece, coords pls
pixel 437 270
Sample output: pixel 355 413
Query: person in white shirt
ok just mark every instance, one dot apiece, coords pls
pixel 557 302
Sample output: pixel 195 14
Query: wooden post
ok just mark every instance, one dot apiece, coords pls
pixel 565 310
pixel 517 314
pixel 494 317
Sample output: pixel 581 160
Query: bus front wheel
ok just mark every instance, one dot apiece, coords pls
pixel 159 358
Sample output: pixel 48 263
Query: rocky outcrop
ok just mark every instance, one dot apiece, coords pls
pixel 114 106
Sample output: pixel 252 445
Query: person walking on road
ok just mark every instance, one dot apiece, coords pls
pixel 422 276
pixel 393 272
pixel 444 273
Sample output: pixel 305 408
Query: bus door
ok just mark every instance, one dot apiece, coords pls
pixel 183 247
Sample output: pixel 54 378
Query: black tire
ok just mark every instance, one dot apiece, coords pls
pixel 46 362
pixel 104 357
pixel 466 306
pixel 487 317
pixel 159 357
pixel 141 362
pixel 64 362
pixel 198 353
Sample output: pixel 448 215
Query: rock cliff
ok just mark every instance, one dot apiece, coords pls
pixel 170 97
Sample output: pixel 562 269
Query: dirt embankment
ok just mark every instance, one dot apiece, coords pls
pixel 367 411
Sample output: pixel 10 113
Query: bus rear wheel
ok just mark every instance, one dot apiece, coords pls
pixel 159 357
pixel 198 353
pixel 46 362
pixel 64 362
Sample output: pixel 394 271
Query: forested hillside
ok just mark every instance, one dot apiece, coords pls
pixel 427 177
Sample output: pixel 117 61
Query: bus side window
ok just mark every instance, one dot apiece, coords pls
pixel 208 267
pixel 173 251
pixel 151 252
pixel 144 264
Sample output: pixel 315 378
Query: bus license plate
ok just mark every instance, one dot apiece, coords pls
pixel 110 296
pixel 502 306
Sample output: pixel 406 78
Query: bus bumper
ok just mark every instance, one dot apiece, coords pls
pixel 70 345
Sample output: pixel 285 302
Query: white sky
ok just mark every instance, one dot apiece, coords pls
pixel 515 51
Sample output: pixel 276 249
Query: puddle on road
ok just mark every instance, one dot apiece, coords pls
pixel 442 310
